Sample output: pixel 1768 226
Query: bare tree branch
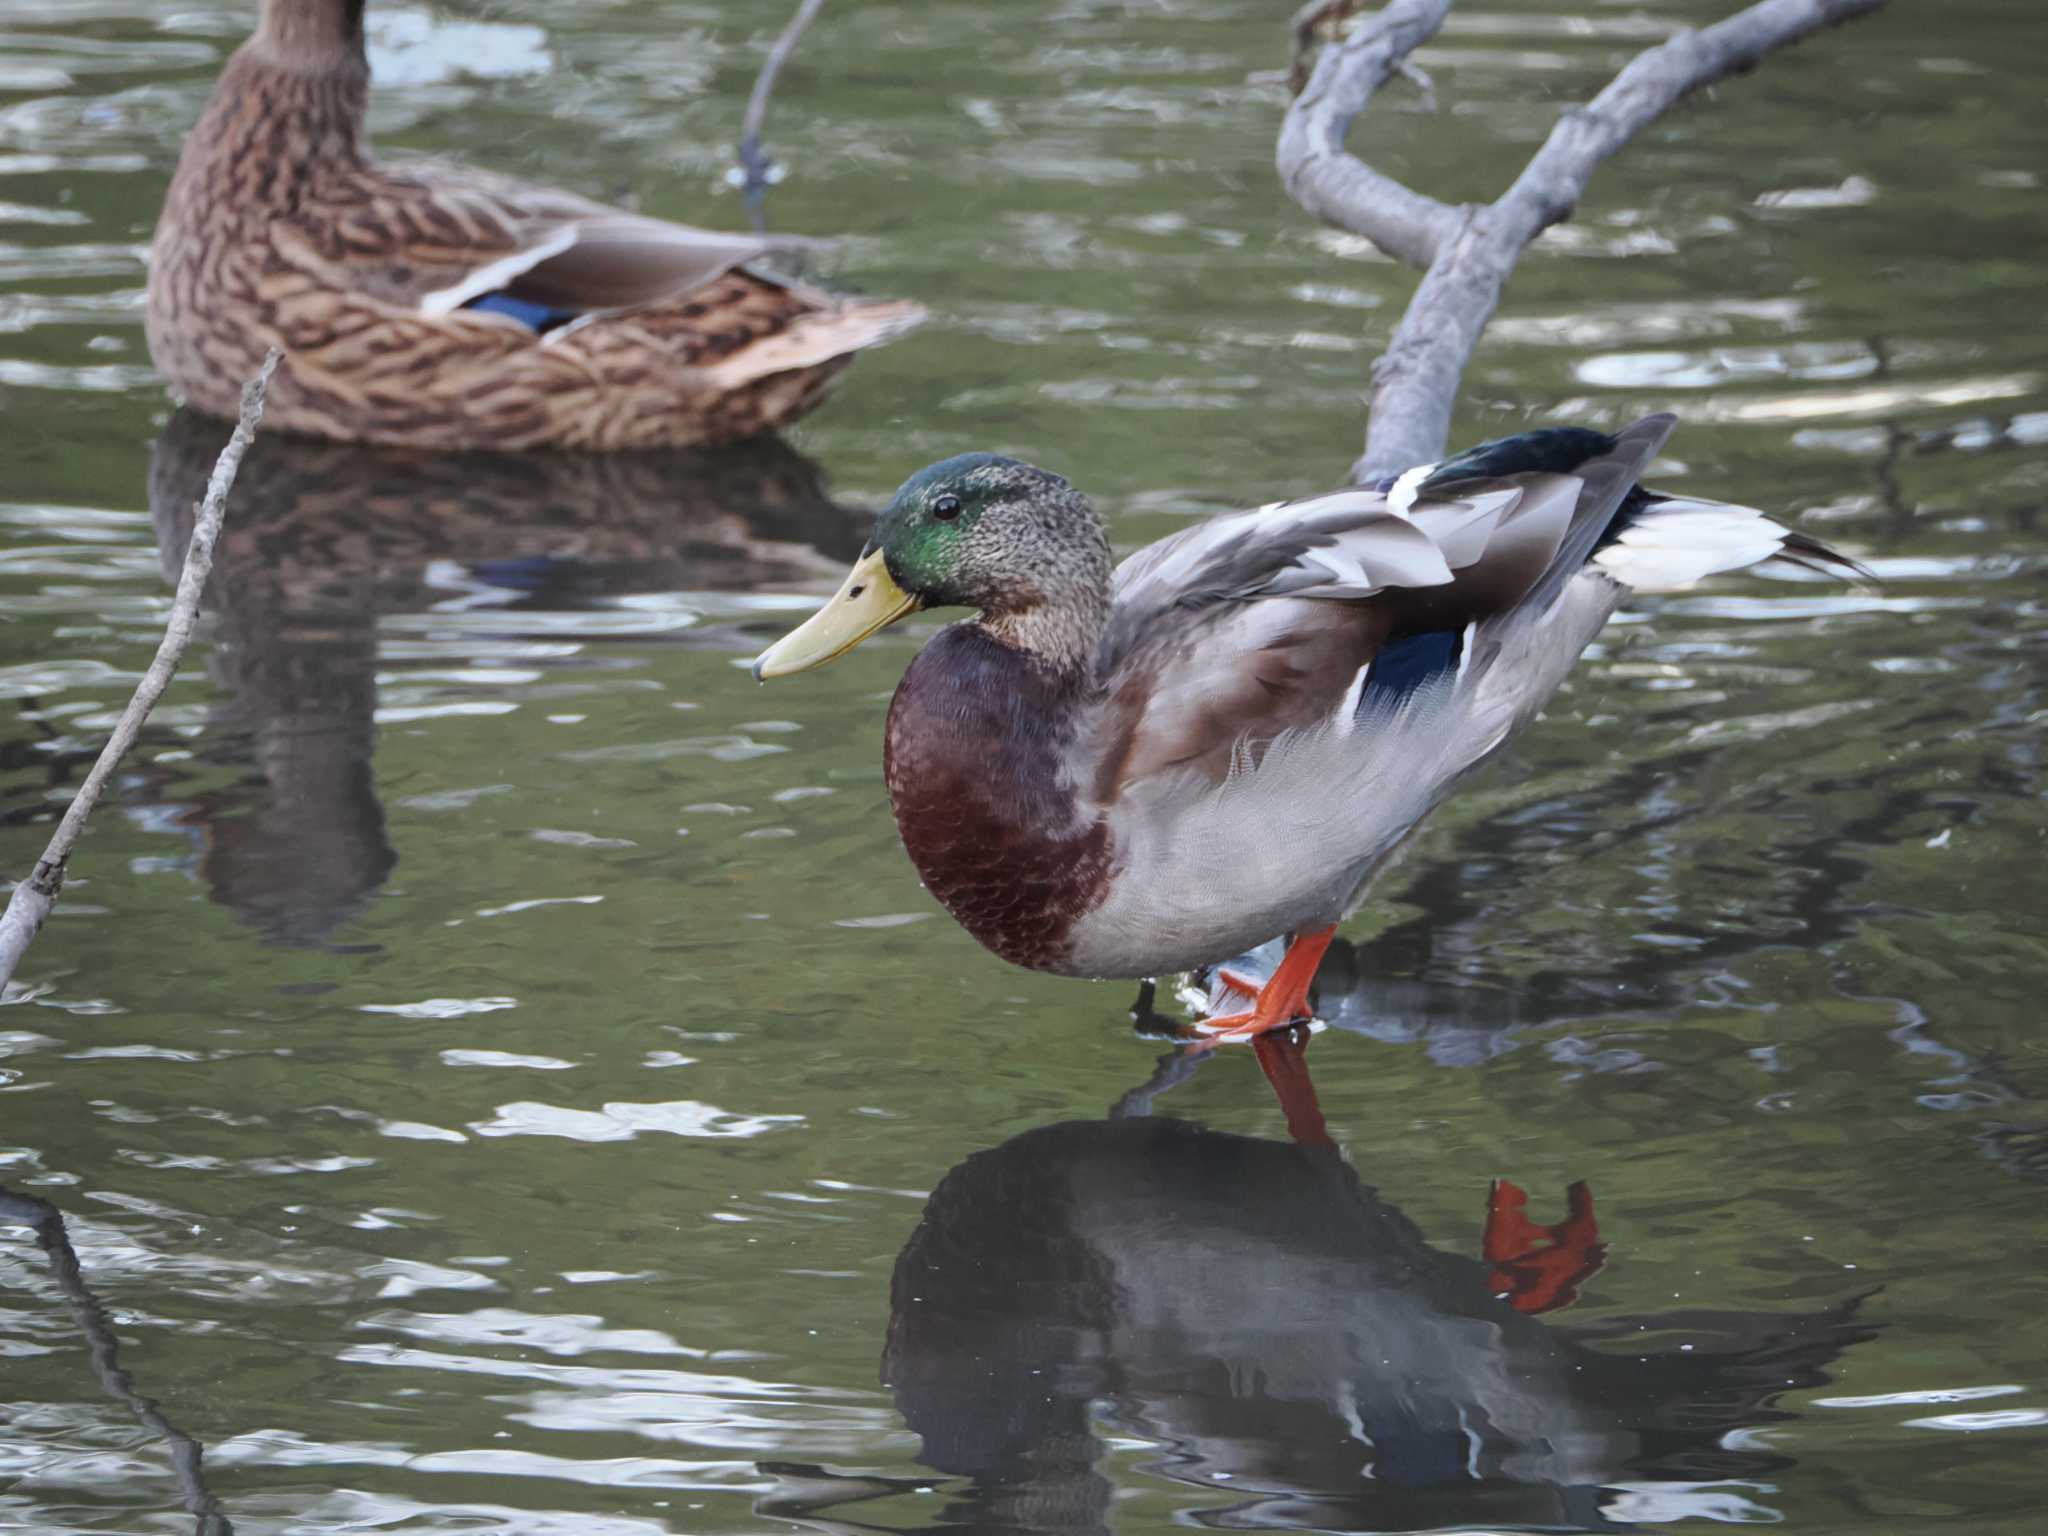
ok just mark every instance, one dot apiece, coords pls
pixel 757 172
pixel 1326 179
pixel 33 899
pixel 1471 252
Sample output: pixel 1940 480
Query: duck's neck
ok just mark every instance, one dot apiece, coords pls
pixel 975 706
pixel 1061 629
pixel 315 36
pixel 289 107
pixel 1061 639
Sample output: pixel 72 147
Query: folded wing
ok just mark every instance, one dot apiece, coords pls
pixel 440 237
pixel 1262 622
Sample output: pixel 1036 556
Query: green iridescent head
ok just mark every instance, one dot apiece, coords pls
pixel 979 530
pixel 976 531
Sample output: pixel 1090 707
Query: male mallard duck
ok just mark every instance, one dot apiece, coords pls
pixel 1141 770
pixel 444 307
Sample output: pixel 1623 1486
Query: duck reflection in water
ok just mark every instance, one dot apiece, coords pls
pixel 322 540
pixel 1295 1348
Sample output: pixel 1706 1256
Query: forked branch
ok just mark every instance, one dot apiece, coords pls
pixel 1327 179
pixel 34 898
pixel 1469 252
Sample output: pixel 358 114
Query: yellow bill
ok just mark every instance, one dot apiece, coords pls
pixel 868 600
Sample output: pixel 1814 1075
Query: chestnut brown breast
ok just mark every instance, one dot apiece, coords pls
pixel 973 758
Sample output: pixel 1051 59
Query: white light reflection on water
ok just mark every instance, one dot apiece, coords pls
pixel 349 1511
pixel 623 1122
pixel 1973 1423
pixel 441 1007
pixel 1725 1503
pixel 1918 1398
pixel 478 1058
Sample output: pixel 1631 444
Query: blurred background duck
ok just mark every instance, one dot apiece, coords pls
pixel 435 305
pixel 1135 771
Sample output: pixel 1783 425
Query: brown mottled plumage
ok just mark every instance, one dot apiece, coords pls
pixel 279 229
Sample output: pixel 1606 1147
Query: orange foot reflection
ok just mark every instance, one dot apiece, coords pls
pixel 1540 1269
pixel 1283 1053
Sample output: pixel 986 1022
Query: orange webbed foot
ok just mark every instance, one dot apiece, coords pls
pixel 1282 1001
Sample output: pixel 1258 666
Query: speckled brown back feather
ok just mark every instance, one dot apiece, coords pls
pixel 279 228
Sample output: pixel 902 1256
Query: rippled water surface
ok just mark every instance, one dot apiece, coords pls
pixel 494 1061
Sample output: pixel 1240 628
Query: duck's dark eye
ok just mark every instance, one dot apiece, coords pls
pixel 946 508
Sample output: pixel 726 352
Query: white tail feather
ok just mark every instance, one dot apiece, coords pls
pixel 1677 542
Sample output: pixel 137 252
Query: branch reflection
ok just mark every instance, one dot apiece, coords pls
pixel 186 1454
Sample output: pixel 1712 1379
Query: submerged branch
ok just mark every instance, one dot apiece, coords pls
pixel 1470 252
pixel 34 898
pixel 757 172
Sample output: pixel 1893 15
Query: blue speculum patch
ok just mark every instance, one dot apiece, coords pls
pixel 540 318
pixel 1405 663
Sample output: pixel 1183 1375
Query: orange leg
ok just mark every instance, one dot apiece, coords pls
pixel 1538 1268
pixel 1283 1000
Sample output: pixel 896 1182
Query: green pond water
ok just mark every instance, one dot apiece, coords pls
pixel 500 1073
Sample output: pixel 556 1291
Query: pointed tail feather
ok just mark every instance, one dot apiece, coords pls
pixel 1809 554
pixel 816 338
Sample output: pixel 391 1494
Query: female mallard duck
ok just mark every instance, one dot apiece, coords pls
pixel 443 307
pixel 1134 771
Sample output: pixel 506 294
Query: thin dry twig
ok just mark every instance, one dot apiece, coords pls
pixel 34 898
pixel 1469 252
pixel 757 170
